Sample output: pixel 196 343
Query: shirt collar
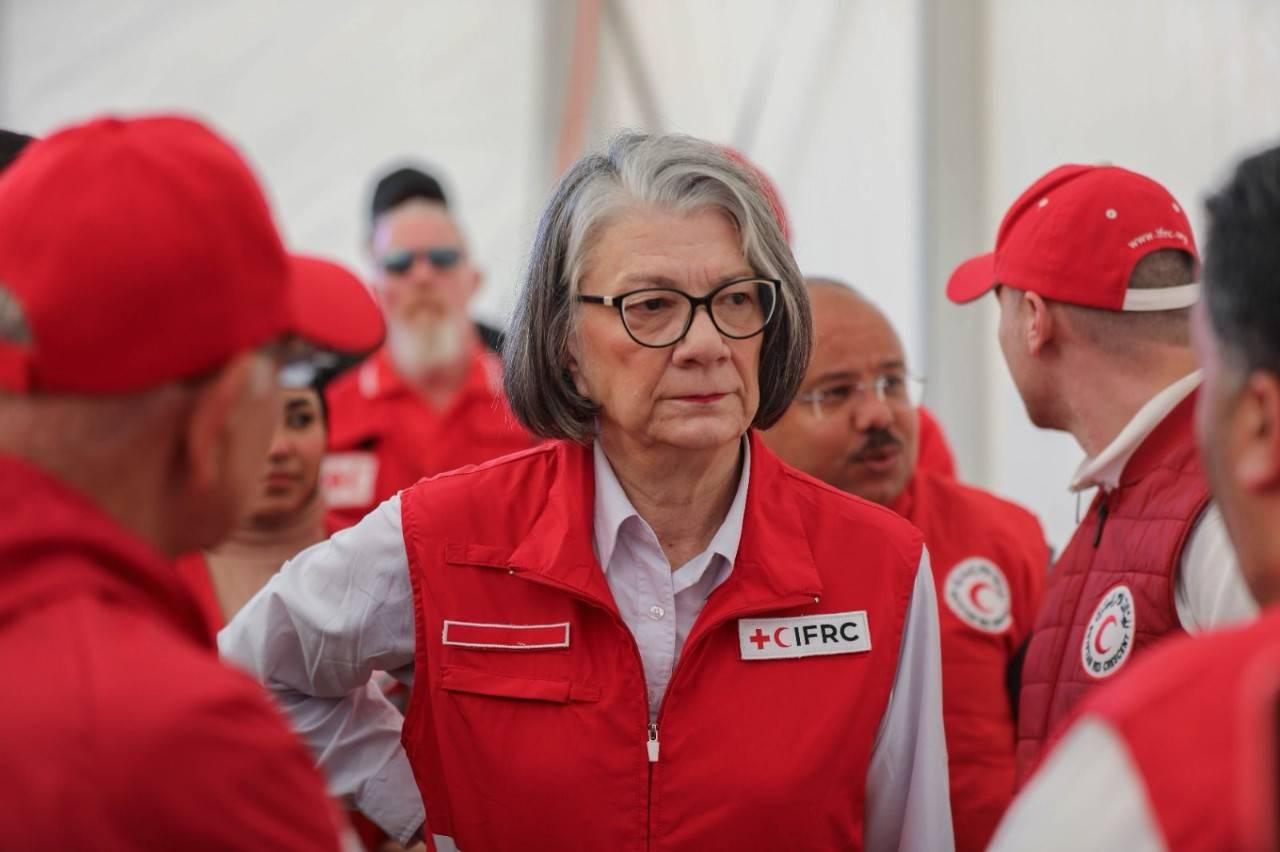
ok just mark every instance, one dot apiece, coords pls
pixel 1104 469
pixel 613 509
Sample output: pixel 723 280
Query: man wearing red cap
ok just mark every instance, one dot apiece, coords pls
pixel 1181 753
pixel 1094 270
pixel 431 400
pixel 854 425
pixel 146 308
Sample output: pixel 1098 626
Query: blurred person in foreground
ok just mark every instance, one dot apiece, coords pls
pixel 648 631
pixel 431 399
pixel 1094 272
pixel 1181 753
pixel 146 309
pixel 284 516
pixel 854 426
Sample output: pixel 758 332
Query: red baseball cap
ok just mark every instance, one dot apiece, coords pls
pixel 1075 235
pixel 138 252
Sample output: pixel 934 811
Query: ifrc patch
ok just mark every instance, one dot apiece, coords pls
pixel 804 636
pixel 348 479
pixel 978 593
pixel 1109 636
pixel 506 637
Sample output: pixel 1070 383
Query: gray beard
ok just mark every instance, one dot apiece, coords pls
pixel 419 349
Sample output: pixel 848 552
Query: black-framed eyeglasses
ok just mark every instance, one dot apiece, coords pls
pixel 658 317
pixel 400 261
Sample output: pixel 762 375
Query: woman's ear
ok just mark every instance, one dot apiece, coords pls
pixel 574 371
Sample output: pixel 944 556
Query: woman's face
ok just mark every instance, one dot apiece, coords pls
pixel 293 460
pixel 701 393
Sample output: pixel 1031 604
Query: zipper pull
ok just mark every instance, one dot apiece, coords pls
pixel 652 742
pixel 1102 520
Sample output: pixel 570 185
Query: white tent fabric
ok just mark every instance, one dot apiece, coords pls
pixel 896 132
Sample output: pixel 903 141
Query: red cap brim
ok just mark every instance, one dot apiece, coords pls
pixel 331 308
pixel 972 279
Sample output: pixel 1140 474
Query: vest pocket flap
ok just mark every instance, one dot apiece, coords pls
pixel 480 682
pixel 477 555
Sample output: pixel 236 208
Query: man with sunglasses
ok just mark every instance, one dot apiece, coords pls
pixel 147 313
pixel 854 425
pixel 431 399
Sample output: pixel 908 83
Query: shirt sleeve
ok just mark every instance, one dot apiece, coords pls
pixel 908 805
pixel 1210 591
pixel 314 635
pixel 1088 795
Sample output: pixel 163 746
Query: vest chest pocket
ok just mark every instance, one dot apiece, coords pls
pixel 466 679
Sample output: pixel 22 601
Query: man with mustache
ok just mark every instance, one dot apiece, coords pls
pixel 431 399
pixel 1094 271
pixel 855 426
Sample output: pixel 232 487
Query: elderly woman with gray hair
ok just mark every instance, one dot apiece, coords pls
pixel 648 632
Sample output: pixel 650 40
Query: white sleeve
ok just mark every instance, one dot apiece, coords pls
pixel 908 804
pixel 314 634
pixel 1210 591
pixel 1087 795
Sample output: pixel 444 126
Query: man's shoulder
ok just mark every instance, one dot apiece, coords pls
pixel 977 506
pixel 824 503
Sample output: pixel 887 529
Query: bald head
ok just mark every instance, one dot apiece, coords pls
pixel 853 424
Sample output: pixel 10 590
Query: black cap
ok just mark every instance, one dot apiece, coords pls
pixel 11 144
pixel 404 184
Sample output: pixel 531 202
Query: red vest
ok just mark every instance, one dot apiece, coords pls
pixel 989 562
pixel 527 737
pixel 1198 718
pixel 1111 594
pixel 119 728
pixel 384 436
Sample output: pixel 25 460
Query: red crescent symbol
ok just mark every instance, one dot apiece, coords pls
pixel 973 595
pixel 1097 637
pixel 778 640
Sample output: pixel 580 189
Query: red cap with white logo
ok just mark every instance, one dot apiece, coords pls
pixel 1075 235
pixel 138 252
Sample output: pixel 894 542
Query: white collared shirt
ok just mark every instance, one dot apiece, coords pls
pixel 659 604
pixel 1088 794
pixel 1209 590
pixel 343 608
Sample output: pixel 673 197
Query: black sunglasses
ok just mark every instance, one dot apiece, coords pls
pixel 401 261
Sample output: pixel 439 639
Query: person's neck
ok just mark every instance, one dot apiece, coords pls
pixel 254 551
pixel 683 495
pixel 1105 397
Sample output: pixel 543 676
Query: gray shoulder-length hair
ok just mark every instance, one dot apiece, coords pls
pixel 668 172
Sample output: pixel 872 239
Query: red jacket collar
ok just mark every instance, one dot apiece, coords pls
pixel 55 543
pixel 774 559
pixel 1176 431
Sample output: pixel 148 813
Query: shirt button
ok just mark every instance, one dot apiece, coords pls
pixel 656 612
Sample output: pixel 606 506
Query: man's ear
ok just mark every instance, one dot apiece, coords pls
pixel 1258 462
pixel 1036 322
pixel 213 404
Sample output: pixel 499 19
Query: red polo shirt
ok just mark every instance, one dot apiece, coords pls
pixel 121 730
pixel 384 436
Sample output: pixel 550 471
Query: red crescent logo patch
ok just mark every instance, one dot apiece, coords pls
pixel 1109 634
pixel 977 592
